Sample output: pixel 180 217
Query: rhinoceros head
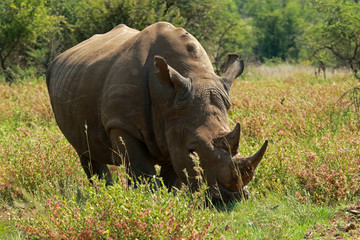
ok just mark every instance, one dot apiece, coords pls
pixel 196 121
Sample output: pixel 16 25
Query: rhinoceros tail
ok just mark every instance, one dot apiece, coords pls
pixel 48 75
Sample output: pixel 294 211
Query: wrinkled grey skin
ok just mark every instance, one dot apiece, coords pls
pixel 155 91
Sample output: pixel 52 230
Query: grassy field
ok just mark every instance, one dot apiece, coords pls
pixel 308 185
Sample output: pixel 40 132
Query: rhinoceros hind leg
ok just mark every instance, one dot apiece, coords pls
pixel 100 169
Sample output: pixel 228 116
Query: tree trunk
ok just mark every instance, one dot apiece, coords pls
pixel 8 76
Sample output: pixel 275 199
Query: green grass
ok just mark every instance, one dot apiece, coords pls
pixel 309 171
pixel 274 217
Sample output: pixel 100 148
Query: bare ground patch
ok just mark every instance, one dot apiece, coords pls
pixel 345 225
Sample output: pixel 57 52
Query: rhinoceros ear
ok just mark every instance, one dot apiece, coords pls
pixel 232 69
pixel 167 75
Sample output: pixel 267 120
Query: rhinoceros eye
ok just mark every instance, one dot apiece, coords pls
pixel 191 151
pixel 192 148
pixel 226 147
pixel 234 152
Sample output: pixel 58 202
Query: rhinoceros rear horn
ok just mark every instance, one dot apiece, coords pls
pixel 233 139
pixel 181 85
pixel 233 68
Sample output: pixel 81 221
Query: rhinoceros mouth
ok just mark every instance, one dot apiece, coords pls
pixel 221 194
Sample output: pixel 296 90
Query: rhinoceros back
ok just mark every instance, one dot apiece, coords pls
pixel 75 81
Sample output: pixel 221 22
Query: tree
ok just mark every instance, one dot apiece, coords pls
pixel 277 26
pixel 337 38
pixel 21 24
pixel 338 34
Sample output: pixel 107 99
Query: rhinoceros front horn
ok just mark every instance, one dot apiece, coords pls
pixel 181 85
pixel 255 159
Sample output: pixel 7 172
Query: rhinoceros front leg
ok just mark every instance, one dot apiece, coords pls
pixel 92 167
pixel 169 177
pixel 133 153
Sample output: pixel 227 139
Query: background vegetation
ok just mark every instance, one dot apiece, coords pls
pixel 33 32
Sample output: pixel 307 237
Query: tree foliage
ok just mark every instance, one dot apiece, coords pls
pixel 33 32
pixel 217 25
pixel 338 34
pixel 22 23
pixel 277 26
